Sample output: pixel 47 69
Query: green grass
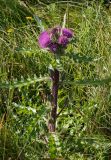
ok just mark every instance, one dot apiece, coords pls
pixel 84 125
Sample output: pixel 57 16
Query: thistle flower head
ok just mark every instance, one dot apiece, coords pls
pixel 53 47
pixel 67 32
pixel 55 38
pixel 44 39
pixel 63 40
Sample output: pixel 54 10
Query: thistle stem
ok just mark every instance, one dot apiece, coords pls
pixel 55 85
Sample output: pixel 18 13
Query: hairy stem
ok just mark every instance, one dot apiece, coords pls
pixel 55 84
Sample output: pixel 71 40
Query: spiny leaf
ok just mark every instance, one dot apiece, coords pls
pixel 81 58
pixel 94 82
pixel 38 20
pixel 19 84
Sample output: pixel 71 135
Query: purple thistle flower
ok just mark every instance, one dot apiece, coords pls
pixel 63 40
pixel 67 32
pixel 53 47
pixel 44 39
pixel 55 39
pixel 56 30
pixel 55 33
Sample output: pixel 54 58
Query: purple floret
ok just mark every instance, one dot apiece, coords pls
pixel 53 47
pixel 63 40
pixel 54 34
pixel 44 39
pixel 56 30
pixel 67 32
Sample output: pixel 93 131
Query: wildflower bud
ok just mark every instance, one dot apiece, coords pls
pixel 67 32
pixel 63 40
pixel 53 47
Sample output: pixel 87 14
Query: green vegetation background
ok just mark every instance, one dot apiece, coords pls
pixel 84 126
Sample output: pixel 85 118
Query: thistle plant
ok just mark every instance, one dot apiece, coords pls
pixel 55 40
